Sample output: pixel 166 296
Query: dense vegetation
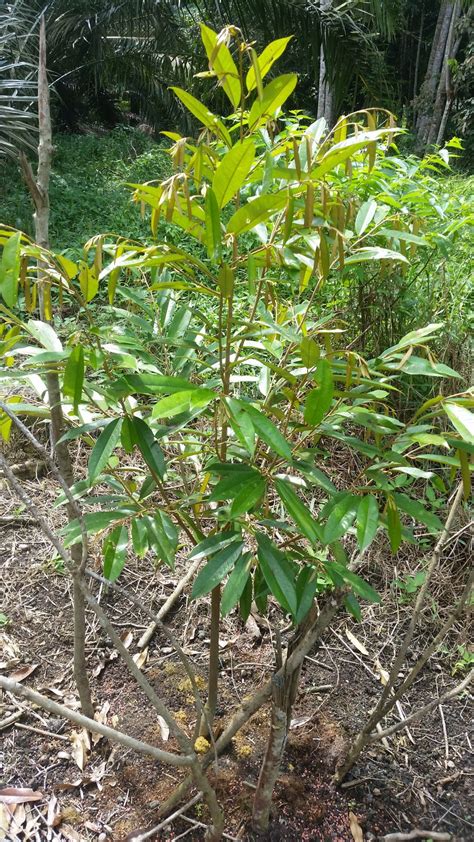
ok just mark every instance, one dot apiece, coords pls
pixel 252 350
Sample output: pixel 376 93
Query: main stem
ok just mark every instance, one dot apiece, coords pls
pixel 39 189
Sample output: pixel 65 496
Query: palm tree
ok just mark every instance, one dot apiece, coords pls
pixel 18 65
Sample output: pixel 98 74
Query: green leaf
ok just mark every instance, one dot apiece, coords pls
pixel 186 401
pixel 202 113
pixel 231 484
pixel 340 518
pixel 213 225
pixel 10 269
pixel 414 337
pixel 266 59
pixel 215 570
pixel 393 525
pixel 461 419
pixel 103 448
pixel 367 521
pixel 115 552
pixel 44 334
pixel 421 366
pixel 268 432
pixel 353 607
pixel 148 447
pixel 226 280
pixel 236 584
pixel 245 604
pixel 277 573
pixel 306 587
pixel 299 512
pixel 257 211
pixel 162 537
pixel 369 253
pixel 93 522
pixel 319 400
pixel 213 544
pixel 365 216
pixel 88 282
pixel 232 171
pixel 248 497
pixel 362 588
pixel 241 425
pixel 274 96
pixel 222 63
pixel 139 537
pixel 416 510
pixel 151 384
pixel 74 376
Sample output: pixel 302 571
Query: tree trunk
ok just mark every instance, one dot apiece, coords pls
pixel 39 189
pixel 426 126
pixel 325 91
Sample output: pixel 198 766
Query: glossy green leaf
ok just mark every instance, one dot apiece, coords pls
pixel 139 537
pixel 148 447
pixel 371 253
pixel 73 380
pixel 236 584
pixel 103 448
pixel 367 521
pixel 44 334
pixel 278 573
pixel 319 400
pixel 216 569
pixel 364 217
pixel 306 587
pixel 360 587
pixel 232 171
pixel 274 96
pixel 162 537
pixel 461 419
pixel 299 512
pixel 10 269
pixel 258 210
pixel 241 425
pixel 186 401
pixel 247 497
pixel 268 432
pixel 245 603
pixel 213 544
pixel 115 552
pixel 340 518
pixel 222 63
pixel 417 510
pixel 202 113
pixel 266 59
pixel 393 525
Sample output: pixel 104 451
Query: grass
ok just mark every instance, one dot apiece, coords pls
pixel 88 193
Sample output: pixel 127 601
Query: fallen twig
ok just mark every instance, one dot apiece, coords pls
pixel 417 834
pixel 450 694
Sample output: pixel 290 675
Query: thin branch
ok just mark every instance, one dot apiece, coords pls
pixel 91 724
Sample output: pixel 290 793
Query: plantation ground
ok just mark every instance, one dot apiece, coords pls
pixel 418 779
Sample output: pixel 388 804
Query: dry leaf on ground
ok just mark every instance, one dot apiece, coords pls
pixel 356 829
pixel 23 672
pixel 19 795
pixel 80 747
pixel 165 731
pixel 356 642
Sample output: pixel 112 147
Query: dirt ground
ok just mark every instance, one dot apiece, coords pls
pixel 419 778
